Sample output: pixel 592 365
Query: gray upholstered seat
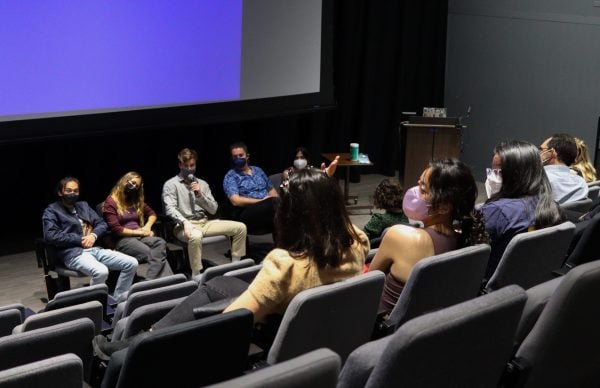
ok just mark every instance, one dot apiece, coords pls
pixel 142 318
pixel 316 369
pixel 246 274
pixel 154 295
pixel 11 315
pixel 575 209
pixel 217 348
pixel 156 283
pixel 65 371
pixel 561 350
pixel 220 270
pixel 35 345
pixel 465 345
pixel 530 258
pixel 441 281
pixel 338 316
pixel 91 310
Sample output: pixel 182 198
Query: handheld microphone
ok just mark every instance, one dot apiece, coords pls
pixel 191 177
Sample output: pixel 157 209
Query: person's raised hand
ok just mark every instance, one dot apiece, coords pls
pixel 330 170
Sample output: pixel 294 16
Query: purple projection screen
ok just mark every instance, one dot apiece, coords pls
pixel 69 66
pixel 63 56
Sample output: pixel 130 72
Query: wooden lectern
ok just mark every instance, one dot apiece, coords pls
pixel 428 138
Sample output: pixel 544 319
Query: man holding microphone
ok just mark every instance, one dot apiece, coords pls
pixel 188 201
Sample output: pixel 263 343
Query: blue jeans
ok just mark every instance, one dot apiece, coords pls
pixel 96 262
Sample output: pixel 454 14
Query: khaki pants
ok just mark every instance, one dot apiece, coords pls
pixel 235 230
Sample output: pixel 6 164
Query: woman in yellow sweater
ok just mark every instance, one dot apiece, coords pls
pixel 316 244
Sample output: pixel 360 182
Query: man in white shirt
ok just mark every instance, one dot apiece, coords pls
pixel 558 152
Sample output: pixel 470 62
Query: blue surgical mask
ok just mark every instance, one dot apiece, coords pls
pixel 239 163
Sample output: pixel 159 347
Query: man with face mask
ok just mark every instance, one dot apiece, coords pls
pixel 250 191
pixel 188 201
pixel 558 152
pixel 73 227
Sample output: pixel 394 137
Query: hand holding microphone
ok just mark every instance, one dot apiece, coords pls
pixel 194 185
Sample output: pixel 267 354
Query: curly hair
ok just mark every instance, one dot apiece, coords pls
pixel 312 219
pixel 388 194
pixel 118 195
pixel 451 182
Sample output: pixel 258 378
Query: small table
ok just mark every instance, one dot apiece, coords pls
pixel 346 162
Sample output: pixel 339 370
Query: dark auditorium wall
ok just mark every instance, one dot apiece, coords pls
pixel 527 68
pixel 389 56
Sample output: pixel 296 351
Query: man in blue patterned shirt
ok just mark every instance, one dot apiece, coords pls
pixel 250 191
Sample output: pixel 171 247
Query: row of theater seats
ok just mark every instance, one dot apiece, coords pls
pixel 545 336
pixel 341 317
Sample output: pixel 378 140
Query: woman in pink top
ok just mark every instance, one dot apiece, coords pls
pixel 446 193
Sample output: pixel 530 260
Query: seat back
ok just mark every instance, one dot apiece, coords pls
pixel 35 345
pixel 562 348
pixel 575 209
pixel 91 310
pixel 246 274
pixel 530 258
pixel 142 318
pixel 588 246
pixel 217 350
pixel 338 316
pixel 465 345
pixel 220 270
pixel 98 292
pixel 594 193
pixel 65 371
pixel 23 311
pixel 319 368
pixel 9 318
pixel 276 180
pixel 156 283
pixel 441 281
pixel 143 298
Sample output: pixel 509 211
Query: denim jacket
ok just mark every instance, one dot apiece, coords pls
pixel 63 230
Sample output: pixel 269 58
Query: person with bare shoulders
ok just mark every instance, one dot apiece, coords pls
pixel 446 193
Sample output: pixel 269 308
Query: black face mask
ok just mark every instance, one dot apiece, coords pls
pixel 70 199
pixel 131 190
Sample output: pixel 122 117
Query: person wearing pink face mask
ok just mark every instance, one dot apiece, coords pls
pixel 446 192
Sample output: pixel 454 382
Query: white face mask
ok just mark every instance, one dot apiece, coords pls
pixel 493 182
pixel 299 164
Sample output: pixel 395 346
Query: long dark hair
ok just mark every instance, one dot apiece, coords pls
pixel 522 176
pixel 451 182
pixel 312 219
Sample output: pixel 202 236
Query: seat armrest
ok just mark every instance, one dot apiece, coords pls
pixel 383 326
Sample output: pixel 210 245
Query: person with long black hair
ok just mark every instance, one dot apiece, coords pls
pixel 443 199
pixel 520 197
pixel 316 244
